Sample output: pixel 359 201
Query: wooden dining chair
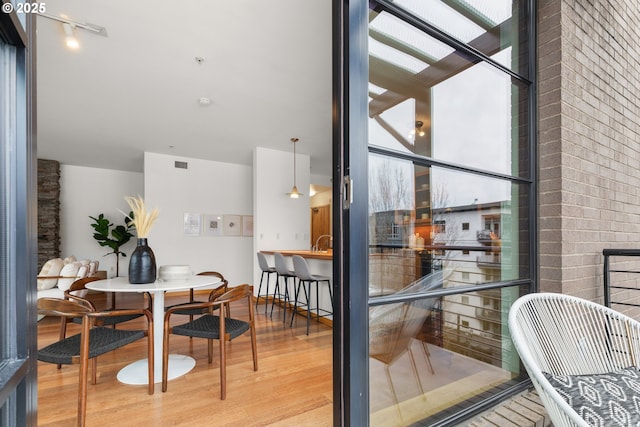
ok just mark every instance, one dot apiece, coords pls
pixel 91 342
pixel 79 293
pixel 214 327
pixel 196 311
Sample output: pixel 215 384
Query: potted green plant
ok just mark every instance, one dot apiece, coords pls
pixel 113 238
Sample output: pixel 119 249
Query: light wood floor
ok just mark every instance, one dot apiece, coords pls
pixel 292 387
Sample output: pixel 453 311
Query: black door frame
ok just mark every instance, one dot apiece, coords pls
pixel 350 195
pixel 18 234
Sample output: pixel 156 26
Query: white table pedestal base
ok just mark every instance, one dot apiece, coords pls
pixel 137 372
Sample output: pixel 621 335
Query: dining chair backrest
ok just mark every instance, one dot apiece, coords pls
pixel 220 276
pixel 301 268
pixel 262 262
pixel 215 294
pixel 191 311
pixel 281 264
pixel 78 292
pixel 236 293
pixel 65 308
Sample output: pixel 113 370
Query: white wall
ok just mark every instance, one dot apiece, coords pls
pixel 88 192
pixel 206 187
pixel 323 180
pixel 280 222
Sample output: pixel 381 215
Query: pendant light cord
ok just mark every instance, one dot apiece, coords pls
pixel 294 160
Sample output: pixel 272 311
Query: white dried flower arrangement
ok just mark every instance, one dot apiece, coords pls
pixel 142 220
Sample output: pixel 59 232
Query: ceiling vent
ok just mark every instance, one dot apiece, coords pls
pixel 181 165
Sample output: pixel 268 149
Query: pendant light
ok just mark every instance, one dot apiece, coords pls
pixel 295 194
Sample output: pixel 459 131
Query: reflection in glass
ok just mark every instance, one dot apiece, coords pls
pixel 432 229
pixel 437 353
pixel 426 219
pixel 449 197
pixel 472 121
pixel 489 26
pixel 469 112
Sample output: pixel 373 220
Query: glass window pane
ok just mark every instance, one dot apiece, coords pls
pixel 449 108
pixel 474 122
pixel 435 356
pixel 490 26
pixel 424 220
pixel 453 226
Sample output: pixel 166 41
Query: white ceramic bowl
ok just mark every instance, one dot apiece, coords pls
pixel 174 272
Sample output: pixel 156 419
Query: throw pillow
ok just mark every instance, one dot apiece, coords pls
pixel 70 272
pixel 93 267
pixel 50 268
pixel 83 271
pixel 602 400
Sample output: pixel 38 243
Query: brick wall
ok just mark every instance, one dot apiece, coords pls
pixel 589 139
pixel 48 210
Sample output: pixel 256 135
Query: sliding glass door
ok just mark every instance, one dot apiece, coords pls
pixel 438 210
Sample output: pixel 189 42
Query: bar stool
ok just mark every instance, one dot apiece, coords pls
pixel 305 277
pixel 282 272
pixel 268 270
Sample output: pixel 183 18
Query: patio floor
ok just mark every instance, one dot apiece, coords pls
pixel 522 410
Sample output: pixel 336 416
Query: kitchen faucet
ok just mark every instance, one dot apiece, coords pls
pixel 315 247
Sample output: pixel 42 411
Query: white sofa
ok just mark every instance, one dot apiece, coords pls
pixel 58 274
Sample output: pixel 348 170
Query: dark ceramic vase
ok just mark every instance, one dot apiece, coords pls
pixel 142 265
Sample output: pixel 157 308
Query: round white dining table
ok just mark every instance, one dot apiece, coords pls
pixel 137 372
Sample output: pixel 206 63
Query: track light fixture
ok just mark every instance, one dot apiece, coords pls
pixel 70 39
pixel 70 26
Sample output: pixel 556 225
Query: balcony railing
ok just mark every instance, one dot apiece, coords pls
pixel 487 236
pixel 488 261
pixel 488 314
pixel 621 279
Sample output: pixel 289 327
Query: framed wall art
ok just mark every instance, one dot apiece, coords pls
pixel 192 224
pixel 213 225
pixel 232 225
pixel 247 225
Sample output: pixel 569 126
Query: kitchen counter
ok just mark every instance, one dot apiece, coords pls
pixel 323 255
